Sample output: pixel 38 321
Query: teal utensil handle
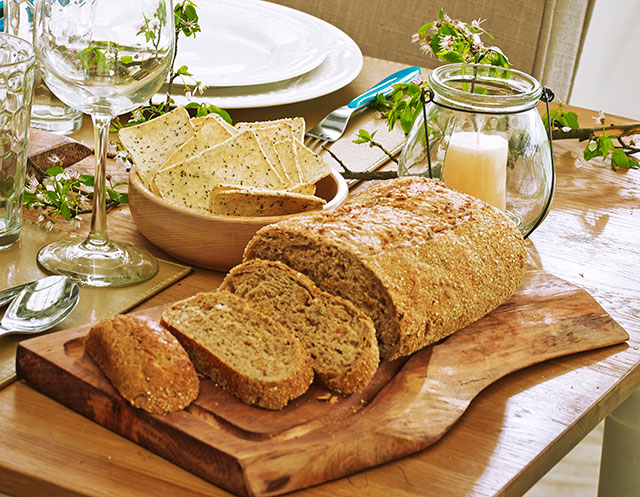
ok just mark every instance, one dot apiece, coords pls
pixel 385 87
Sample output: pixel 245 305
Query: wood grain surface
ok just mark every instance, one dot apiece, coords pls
pixel 513 432
pixel 409 405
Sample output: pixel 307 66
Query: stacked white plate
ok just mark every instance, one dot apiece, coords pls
pixel 253 53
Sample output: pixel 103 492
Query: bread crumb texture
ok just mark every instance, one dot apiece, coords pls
pixel 419 258
pixel 242 350
pixel 340 338
pixel 144 362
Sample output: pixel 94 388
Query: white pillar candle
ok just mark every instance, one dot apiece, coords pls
pixel 476 163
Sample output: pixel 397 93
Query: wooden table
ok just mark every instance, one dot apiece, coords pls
pixel 514 432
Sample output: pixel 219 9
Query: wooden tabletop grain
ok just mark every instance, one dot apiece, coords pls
pixel 513 432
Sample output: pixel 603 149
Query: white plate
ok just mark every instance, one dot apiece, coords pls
pixel 250 42
pixel 341 66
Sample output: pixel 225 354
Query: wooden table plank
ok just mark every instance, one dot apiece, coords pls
pixel 511 434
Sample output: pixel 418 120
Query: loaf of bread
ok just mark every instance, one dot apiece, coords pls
pixel 144 362
pixel 421 259
pixel 340 338
pixel 243 351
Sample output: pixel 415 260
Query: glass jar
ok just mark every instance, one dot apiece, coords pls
pixel 486 138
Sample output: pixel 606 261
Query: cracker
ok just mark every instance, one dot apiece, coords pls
pixel 297 124
pixel 288 157
pixel 152 143
pixel 197 122
pixel 267 136
pixel 237 161
pixel 233 201
pixel 208 134
pixel 312 167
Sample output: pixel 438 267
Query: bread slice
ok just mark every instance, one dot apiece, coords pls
pixel 421 259
pixel 243 351
pixel 340 338
pixel 144 362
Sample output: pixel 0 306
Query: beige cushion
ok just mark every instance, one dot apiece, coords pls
pixel 541 38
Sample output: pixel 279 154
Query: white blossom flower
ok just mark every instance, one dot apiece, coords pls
pixel 415 38
pixel 75 222
pixel 425 48
pixel 122 159
pixel 154 24
pixel 189 25
pixel 137 114
pixel 566 129
pixel 187 94
pixel 476 42
pixel 71 174
pixel 447 18
pixel 599 119
pixel 476 23
pixel 41 219
pixel 32 184
pixel 446 43
pixel 48 225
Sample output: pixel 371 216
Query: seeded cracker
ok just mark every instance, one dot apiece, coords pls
pixel 208 134
pixel 237 161
pixel 296 123
pixel 234 201
pixel 312 167
pixel 152 143
pixel 199 121
pixel 267 136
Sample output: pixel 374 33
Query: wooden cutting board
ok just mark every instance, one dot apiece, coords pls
pixel 408 406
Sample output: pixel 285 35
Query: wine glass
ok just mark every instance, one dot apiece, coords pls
pixel 105 58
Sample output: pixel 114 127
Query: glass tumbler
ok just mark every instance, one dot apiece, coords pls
pixel 17 74
pixel 485 138
pixel 47 111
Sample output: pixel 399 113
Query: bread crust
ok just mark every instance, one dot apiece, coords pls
pixel 269 393
pixel 421 259
pixel 144 362
pixel 331 328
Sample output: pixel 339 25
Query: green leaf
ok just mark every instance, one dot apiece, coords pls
pixel 619 159
pixel 126 59
pixel 124 198
pixel 64 210
pixel 113 194
pixel 86 179
pixel 572 120
pixel 54 171
pixel 450 57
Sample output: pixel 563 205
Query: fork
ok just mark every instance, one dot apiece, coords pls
pixel 332 127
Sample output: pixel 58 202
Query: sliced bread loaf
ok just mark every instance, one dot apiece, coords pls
pixel 144 362
pixel 421 259
pixel 340 339
pixel 243 351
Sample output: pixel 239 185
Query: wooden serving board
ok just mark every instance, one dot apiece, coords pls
pixel 408 406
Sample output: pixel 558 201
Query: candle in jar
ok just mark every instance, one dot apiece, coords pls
pixel 476 163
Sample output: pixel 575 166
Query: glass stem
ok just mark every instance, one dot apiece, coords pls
pixel 98 233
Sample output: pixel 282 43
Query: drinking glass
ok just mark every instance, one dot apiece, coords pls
pixel 47 112
pixel 105 58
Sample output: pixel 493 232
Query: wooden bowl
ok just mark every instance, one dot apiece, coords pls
pixel 208 240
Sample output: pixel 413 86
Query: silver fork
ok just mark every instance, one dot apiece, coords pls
pixel 332 127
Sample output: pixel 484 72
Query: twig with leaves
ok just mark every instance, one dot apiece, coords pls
pixel 67 194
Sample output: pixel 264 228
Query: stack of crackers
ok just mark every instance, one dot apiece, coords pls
pixel 250 169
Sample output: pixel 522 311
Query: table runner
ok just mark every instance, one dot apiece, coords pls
pixel 19 266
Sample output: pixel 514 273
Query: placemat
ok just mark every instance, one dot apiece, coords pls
pixel 19 266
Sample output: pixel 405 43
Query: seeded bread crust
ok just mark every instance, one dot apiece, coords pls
pixel 144 362
pixel 243 351
pixel 421 259
pixel 340 338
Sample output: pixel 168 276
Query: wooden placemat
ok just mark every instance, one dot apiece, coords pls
pixel 19 266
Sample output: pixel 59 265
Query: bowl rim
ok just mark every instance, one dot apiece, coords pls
pixel 340 196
